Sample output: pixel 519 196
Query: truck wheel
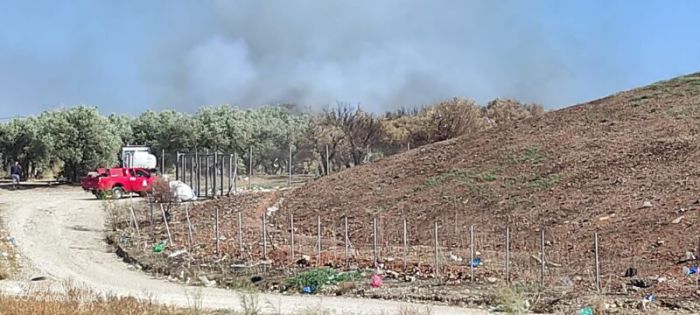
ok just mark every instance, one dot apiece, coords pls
pixel 118 193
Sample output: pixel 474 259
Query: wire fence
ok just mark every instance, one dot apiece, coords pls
pixel 228 239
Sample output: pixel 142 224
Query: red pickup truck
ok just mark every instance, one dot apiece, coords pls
pixel 118 181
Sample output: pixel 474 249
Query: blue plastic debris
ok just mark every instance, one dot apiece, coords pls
pixel 475 262
pixel 690 271
pixel 308 290
pixel 650 298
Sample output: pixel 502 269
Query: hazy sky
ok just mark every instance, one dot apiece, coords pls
pixel 129 56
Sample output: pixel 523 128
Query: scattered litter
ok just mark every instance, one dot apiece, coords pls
pixel 647 204
pixel 12 240
pixel 177 253
pixel 476 262
pixel 640 283
pixel 182 191
pixel 567 282
pixel 585 311
pixel 207 283
pixel 256 279
pixel 454 257
pixel 678 220
pixel 650 298
pixel 158 248
pixel 308 290
pixel 376 281
pixel 690 271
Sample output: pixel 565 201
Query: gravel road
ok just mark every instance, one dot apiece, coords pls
pixel 59 235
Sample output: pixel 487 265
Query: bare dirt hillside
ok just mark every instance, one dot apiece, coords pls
pixel 626 166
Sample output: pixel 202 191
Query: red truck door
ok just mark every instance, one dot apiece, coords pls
pixel 139 180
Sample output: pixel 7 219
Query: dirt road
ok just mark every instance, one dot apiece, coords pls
pixel 59 234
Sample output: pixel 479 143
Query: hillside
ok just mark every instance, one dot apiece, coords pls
pixel 575 171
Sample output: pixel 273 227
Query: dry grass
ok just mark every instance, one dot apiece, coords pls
pixel 75 301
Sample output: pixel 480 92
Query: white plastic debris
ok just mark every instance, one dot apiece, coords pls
pixel 182 191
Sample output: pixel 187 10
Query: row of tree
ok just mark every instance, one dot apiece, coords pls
pixel 70 142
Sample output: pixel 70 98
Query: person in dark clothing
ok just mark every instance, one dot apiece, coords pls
pixel 15 171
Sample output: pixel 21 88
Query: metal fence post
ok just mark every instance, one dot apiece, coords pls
pixel 177 165
pixel 542 257
pixel 597 262
pixel 328 162
pixel 291 235
pixel 374 241
pixel 437 251
pixel 507 254
pixel 167 228
pixel 162 161
pixel 197 171
pixel 235 173
pixel 230 173
pixel 216 231
pixel 405 245
pixel 347 241
pixel 471 250
pixel 697 262
pixel 189 227
pixel 206 175
pixel 221 176
pixel 136 221
pixel 318 241
pixel 250 168
pixel 213 174
pixel 289 181
pixel 240 232
pixel 264 236
pixel 192 172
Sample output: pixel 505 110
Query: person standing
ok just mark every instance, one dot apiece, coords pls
pixel 15 172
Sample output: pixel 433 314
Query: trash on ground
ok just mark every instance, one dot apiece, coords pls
pixel 585 311
pixel 690 270
pixel 475 262
pixel 650 298
pixel 158 248
pixel 177 253
pixel 640 283
pixel 376 281
pixel 182 191
pixel 308 290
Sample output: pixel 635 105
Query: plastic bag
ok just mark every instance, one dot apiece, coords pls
pixel 585 311
pixel 376 281
pixel 158 248
pixel 475 262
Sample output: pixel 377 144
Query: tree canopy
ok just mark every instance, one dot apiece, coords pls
pixel 70 142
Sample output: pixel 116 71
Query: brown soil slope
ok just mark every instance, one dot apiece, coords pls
pixel 583 169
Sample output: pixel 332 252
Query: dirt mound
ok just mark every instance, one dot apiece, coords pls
pixel 626 166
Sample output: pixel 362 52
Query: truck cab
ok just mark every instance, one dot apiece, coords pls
pixel 119 181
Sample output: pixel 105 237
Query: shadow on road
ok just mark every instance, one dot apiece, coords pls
pixel 7 185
